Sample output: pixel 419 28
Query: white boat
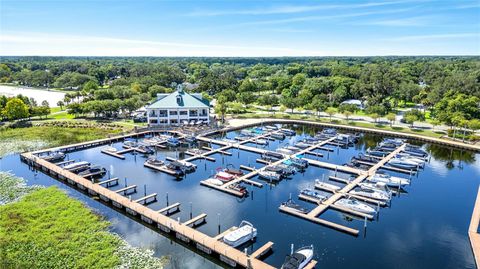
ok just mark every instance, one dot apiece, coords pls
pixel 285 151
pixel 269 175
pixel 371 193
pixel 353 204
pixel 76 165
pixel 406 156
pixel 292 148
pixel 302 145
pixel 214 181
pixel 244 233
pixel 188 166
pixel 380 186
pixel 389 180
pixel 271 127
pixel 323 185
pixel 298 259
pixel 403 163
pixel 260 141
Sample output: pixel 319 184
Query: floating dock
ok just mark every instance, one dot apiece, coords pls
pixel 189 235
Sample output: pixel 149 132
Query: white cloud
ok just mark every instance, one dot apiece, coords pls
pixel 435 36
pixel 290 9
pixel 43 44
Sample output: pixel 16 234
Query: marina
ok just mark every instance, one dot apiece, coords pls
pixel 207 222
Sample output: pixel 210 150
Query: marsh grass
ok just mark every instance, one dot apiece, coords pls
pixel 44 228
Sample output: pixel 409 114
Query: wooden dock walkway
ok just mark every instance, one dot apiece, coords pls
pixel 167 209
pixel 207 244
pixel 473 234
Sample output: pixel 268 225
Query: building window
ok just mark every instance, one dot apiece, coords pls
pixel 173 121
pixel 193 113
pixel 164 121
pixel 204 113
pixel 153 114
pixel 173 112
pixel 163 113
pixel 183 112
pixel 153 121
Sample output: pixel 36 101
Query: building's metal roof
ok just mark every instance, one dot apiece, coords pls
pixel 179 99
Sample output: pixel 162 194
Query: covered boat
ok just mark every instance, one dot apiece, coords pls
pixel 371 193
pixel 269 175
pixel 298 259
pixel 232 170
pixel 291 204
pixel 109 149
pixel 313 194
pixel 244 233
pixel 54 156
pixel 95 171
pixel 215 181
pixel 173 141
pixel 76 165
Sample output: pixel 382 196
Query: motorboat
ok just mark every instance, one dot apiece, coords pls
pixel 231 170
pixel 246 133
pixel 155 161
pixel 302 145
pixel 328 186
pixel 190 139
pixel 298 259
pixel 329 131
pixel 76 165
pixel 379 186
pixel 176 167
pixel 376 152
pixel 173 141
pixel 223 176
pixel 244 233
pixel 299 162
pixel 313 194
pixel 285 151
pixel 187 166
pixel 371 193
pixel 109 149
pixel 215 181
pixel 287 169
pixel 260 141
pixel 146 149
pixel 271 127
pixel 277 169
pixel 406 156
pixel 129 144
pixel 291 204
pixel 272 154
pixel 288 132
pixel 238 187
pixel 415 151
pixel 278 135
pixel 292 148
pixel 389 180
pixel 396 141
pixel 95 171
pixel 403 163
pixel 269 175
pixel 353 204
pixel 54 157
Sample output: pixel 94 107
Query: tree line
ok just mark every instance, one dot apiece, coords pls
pixel 447 86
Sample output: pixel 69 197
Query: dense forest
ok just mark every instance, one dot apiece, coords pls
pixel 447 86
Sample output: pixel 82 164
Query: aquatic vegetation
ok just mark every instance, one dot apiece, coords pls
pixel 14 140
pixel 13 188
pixel 48 229
pixel 11 146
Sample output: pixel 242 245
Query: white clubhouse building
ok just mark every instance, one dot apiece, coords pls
pixel 178 108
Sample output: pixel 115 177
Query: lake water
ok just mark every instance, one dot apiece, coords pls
pixel 426 227
pixel 40 95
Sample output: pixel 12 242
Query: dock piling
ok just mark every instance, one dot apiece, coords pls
pixel 191 213
pixel 167 198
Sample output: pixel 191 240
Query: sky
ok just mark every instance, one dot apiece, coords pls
pixel 239 28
